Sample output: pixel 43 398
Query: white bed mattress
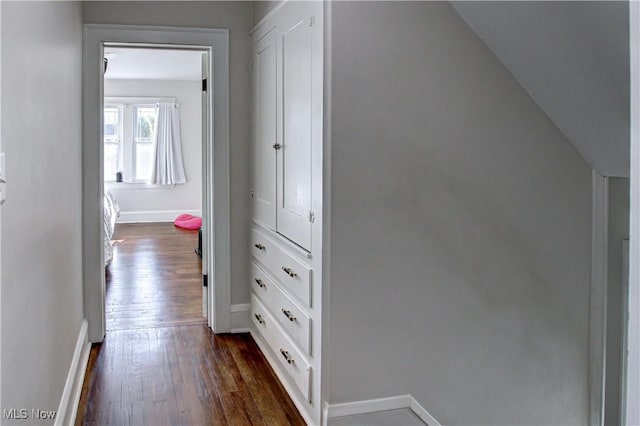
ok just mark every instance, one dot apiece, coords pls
pixel 111 213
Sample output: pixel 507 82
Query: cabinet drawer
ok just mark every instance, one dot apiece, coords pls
pixel 289 271
pixel 294 320
pixel 292 360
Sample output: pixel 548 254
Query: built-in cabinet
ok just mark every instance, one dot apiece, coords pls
pixel 286 230
pixel 287 87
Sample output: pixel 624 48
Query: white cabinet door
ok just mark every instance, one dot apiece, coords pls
pixel 294 158
pixel 265 130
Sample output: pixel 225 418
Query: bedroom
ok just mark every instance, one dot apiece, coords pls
pixel 153 174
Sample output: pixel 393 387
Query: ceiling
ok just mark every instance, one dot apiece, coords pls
pixel 153 64
pixel 573 59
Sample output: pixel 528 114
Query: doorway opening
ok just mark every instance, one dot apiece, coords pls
pixel 154 137
pixel 213 45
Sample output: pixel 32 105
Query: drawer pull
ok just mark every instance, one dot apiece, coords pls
pixel 259 246
pixel 259 318
pixel 260 283
pixel 286 356
pixel 287 313
pixel 289 271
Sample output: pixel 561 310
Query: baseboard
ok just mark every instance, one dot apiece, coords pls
pixel 68 408
pixel 240 321
pixel 153 215
pixel 332 411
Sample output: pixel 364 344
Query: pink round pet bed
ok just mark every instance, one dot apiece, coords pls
pixel 188 221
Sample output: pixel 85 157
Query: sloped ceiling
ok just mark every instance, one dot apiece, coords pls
pixel 573 59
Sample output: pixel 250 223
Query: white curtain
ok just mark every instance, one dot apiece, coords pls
pixel 168 168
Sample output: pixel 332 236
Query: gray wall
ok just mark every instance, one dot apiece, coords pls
pixel 187 196
pixel 572 57
pixel 461 227
pixel 41 233
pixel 261 8
pixel 237 18
pixel 618 231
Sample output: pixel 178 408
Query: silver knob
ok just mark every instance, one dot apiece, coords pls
pixel 286 356
pixel 289 271
pixel 287 313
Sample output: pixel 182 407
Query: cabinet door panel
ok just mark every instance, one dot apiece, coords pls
pixel 294 159
pixel 265 131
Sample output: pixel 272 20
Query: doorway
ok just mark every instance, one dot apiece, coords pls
pixel 152 164
pixel 215 209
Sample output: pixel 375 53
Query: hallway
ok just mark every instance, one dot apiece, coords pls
pixel 159 362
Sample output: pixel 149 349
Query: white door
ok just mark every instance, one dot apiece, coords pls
pixel 294 158
pixel 266 142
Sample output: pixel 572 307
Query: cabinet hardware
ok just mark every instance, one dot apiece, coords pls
pixel 289 271
pixel 259 246
pixel 287 313
pixel 260 283
pixel 259 318
pixel 286 356
pixel 277 146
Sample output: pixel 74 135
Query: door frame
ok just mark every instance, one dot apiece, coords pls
pixel 216 41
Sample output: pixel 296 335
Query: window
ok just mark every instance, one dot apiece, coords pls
pixel 144 137
pixel 112 141
pixel 129 136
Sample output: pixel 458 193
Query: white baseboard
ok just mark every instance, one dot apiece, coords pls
pixel 153 215
pixel 240 321
pixel 68 408
pixel 332 411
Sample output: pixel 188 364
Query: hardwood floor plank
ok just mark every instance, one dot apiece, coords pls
pixel 160 364
pixel 154 278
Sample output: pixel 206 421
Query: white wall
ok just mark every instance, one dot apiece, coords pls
pixel 41 233
pixel 460 227
pixel 179 197
pixel 237 17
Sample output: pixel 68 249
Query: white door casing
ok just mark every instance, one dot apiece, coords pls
pixel 216 41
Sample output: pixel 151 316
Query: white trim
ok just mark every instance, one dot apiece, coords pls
pixel 598 299
pixel 369 406
pixel 154 216
pixel 422 412
pixel 68 407
pixel 216 42
pixel 633 333
pixel 133 100
pixel 625 329
pixel 240 321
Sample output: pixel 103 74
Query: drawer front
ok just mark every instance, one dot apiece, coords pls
pixel 291 359
pixel 294 320
pixel 289 271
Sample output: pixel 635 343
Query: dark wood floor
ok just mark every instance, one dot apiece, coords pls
pixel 165 372
pixel 155 277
